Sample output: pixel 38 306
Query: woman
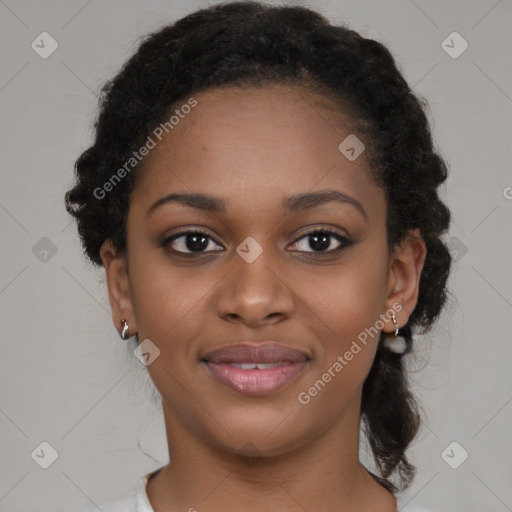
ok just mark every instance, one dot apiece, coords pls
pixel 262 193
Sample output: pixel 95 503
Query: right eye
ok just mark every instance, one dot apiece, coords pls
pixel 189 242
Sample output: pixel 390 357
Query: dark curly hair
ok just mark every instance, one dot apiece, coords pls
pixel 248 44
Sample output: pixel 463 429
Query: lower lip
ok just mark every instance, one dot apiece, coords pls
pixel 255 381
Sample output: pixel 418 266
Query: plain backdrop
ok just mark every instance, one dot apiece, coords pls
pixel 67 379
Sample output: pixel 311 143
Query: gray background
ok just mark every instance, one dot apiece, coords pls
pixel 65 376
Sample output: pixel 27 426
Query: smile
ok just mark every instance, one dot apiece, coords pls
pixel 256 378
pixel 256 368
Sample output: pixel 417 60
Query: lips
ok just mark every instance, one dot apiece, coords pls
pixel 256 369
pixel 263 352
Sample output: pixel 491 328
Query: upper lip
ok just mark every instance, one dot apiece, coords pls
pixel 263 352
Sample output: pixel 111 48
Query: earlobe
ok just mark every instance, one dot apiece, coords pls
pixel 118 283
pixel 406 265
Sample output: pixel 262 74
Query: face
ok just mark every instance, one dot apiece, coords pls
pixel 290 247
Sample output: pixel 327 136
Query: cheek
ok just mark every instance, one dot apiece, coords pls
pixel 345 301
pixel 343 311
pixel 166 297
pixel 348 340
pixel 170 307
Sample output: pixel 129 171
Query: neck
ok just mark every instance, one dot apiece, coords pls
pixel 322 474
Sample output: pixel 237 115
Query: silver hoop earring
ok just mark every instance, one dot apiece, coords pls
pixel 395 322
pixel 124 332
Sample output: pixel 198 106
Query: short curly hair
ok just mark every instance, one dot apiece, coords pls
pixel 248 43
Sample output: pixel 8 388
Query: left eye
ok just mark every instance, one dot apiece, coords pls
pixel 320 241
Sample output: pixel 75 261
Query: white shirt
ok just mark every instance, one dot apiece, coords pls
pixel 137 501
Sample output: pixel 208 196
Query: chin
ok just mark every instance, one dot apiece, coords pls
pixel 263 433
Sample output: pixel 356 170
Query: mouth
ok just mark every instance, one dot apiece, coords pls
pixel 256 369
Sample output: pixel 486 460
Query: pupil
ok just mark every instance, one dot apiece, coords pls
pixel 193 244
pixel 319 242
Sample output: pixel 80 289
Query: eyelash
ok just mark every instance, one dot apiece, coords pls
pixel 344 241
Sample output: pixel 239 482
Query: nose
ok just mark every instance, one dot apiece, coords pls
pixel 255 294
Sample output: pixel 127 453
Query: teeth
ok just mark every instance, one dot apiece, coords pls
pixel 264 366
pixel 260 366
pixel 244 366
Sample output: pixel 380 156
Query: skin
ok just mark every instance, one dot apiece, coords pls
pixel 230 451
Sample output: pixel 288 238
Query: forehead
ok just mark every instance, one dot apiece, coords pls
pixel 253 145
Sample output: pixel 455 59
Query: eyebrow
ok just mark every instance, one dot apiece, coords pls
pixel 293 203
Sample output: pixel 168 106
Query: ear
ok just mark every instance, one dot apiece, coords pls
pixel 405 267
pixel 119 290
